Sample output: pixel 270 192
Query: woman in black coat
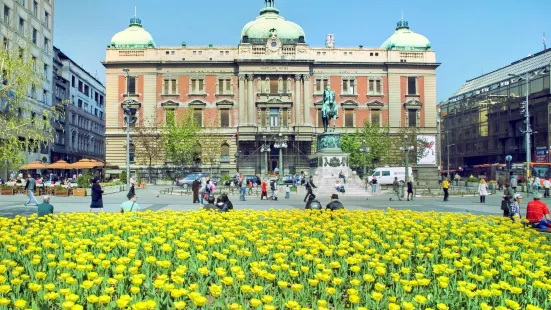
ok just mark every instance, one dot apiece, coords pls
pixel 195 188
pixel 97 193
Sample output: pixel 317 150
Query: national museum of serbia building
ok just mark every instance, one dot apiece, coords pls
pixel 264 96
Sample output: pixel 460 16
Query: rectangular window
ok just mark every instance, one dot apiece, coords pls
pixel 73 81
pixel 197 86
pixel 412 85
pixel 35 9
pixel 80 103
pixel 224 87
pixel 225 118
pixel 170 116
pixel 349 118
pixel 100 114
pixel 412 118
pixel 285 117
pixel 22 2
pixel 320 119
pixel 375 117
pixel 274 117
pixel 96 97
pixel 198 114
pixel 131 85
pixel 263 117
pixel 47 19
pixel 274 86
pixel 45 96
pixel 35 36
pixel 46 44
pixel 375 87
pixel 170 87
pixel 319 85
pixel 6 14
pixel 100 100
pixel 349 87
pixel 21 25
pixel 6 43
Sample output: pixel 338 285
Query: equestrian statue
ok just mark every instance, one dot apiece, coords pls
pixel 329 109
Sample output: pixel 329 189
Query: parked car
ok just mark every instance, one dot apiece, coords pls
pixel 287 180
pixel 187 181
pixel 247 177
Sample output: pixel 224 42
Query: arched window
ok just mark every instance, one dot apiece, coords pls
pixel 225 153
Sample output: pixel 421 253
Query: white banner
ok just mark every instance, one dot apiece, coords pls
pixel 426 146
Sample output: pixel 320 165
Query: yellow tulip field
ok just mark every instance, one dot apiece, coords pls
pixel 273 260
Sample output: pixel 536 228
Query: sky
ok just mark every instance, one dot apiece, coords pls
pixel 469 37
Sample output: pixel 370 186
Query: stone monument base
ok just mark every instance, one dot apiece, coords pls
pixel 326 165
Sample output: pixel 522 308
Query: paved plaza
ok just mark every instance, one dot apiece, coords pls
pixel 151 199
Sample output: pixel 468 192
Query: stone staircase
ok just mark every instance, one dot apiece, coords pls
pixel 324 178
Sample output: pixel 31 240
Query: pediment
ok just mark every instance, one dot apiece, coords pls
pixel 375 103
pixel 413 103
pixel 349 103
pixel 170 104
pixel 197 102
pixel 225 102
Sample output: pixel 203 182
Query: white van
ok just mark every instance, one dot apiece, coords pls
pixel 386 175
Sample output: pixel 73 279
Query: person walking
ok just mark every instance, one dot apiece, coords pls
pixel 208 187
pixel 446 188
pixel 287 192
pixel 97 196
pixel 243 189
pixel 202 190
pixel 309 188
pixel 507 200
pixel 483 190
pixel 131 204
pixel 395 189
pixel 536 185
pixel 514 183
pixel 457 178
pixel 132 185
pixel 264 189
pixel 30 187
pixel 45 208
pixel 195 186
pixel 251 187
pixel 374 185
pixel 410 189
pixel 546 187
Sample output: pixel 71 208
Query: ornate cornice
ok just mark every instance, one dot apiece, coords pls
pixel 225 103
pixel 170 104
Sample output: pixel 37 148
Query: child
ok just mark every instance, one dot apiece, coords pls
pixel 515 207
pixel 287 192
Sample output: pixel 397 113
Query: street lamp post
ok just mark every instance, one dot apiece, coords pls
pixel 364 149
pixel 406 148
pixel 280 144
pixel 439 150
pixel 265 149
pixel 130 108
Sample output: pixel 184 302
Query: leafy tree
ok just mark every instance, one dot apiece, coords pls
pixel 21 79
pixel 211 140
pixel 376 138
pixel 148 144
pixel 180 138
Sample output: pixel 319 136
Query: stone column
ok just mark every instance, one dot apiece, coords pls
pixel 307 100
pixel 298 112
pixel 250 100
pixel 242 105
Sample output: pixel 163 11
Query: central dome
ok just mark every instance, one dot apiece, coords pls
pixel 405 39
pixel 270 24
pixel 132 37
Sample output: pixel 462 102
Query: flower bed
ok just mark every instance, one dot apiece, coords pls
pixel 273 260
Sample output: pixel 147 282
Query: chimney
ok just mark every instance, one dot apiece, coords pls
pixel 330 41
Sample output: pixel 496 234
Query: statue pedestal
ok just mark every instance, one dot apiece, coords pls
pixel 326 165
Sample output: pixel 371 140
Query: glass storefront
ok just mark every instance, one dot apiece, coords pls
pixel 485 125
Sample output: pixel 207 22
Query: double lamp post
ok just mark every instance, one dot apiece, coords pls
pixel 130 107
pixel 406 149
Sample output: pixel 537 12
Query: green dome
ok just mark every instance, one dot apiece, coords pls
pixel 405 39
pixel 260 30
pixel 132 37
